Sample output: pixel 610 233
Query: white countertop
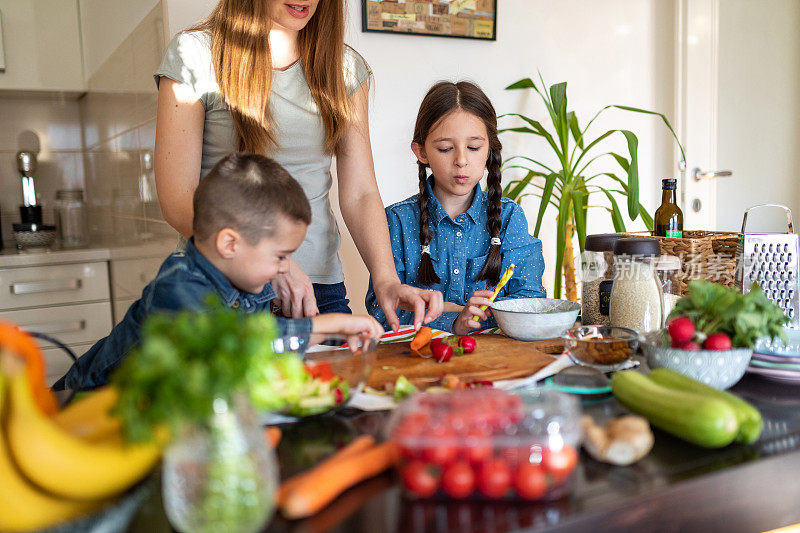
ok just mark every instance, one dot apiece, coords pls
pixel 11 258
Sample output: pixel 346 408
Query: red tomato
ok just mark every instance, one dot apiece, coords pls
pixel 443 449
pixel 559 464
pixel 420 479
pixel 458 480
pixel 321 370
pixel 477 446
pixel 494 478
pixel 530 481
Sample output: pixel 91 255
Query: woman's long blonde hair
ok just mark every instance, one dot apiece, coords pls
pixel 243 64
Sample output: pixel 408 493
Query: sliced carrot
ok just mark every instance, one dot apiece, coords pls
pixel 273 435
pixel 354 447
pixel 326 481
pixel 23 345
pixel 422 338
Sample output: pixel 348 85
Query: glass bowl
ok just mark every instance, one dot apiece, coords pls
pixel 309 377
pixel 605 348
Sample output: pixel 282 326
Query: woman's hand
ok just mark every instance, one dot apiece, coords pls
pixel 464 322
pixel 394 295
pixel 295 292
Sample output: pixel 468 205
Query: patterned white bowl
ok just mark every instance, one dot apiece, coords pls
pixel 720 369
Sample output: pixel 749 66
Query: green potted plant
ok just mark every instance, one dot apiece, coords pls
pixel 568 184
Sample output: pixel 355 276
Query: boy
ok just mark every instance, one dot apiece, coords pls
pixel 250 215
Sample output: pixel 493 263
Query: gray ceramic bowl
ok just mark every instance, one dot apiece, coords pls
pixel 531 319
pixel 720 369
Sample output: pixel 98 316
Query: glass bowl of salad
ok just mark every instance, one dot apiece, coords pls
pixel 311 376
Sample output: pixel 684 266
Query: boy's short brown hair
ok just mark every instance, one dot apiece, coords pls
pixel 246 192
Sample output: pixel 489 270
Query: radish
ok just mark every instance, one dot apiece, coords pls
pixel 717 341
pixel 681 330
pixel 690 346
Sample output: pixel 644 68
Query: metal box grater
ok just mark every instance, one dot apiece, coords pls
pixel 771 260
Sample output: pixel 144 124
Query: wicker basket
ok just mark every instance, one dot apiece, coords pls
pixel 709 255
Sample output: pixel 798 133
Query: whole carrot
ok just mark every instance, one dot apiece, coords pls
pixel 354 447
pixel 325 482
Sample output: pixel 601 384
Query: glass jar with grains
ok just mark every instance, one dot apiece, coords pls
pixel 597 277
pixel 636 298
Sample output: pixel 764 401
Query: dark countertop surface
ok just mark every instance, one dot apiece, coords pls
pixel 677 487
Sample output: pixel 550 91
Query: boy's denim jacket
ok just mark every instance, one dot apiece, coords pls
pixel 182 282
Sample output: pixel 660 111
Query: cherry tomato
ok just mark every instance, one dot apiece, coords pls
pixel 444 450
pixel 458 480
pixel 421 479
pixel 560 463
pixel 530 481
pixel 477 446
pixel 494 478
pixel 467 343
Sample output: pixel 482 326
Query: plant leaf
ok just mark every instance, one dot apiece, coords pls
pixel 546 193
pixel 521 185
pixel 537 129
pixel 616 216
pixel 646 218
pixel 572 119
pixel 664 118
pixel 524 83
pixel 579 202
pixel 621 160
pixel 633 174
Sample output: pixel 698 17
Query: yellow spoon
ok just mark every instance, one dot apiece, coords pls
pixel 500 284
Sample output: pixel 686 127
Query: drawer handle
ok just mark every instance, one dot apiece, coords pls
pixel 53 285
pixel 53 328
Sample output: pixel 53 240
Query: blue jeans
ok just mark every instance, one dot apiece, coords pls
pixel 332 298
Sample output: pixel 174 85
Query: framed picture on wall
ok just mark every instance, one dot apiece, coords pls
pixel 465 19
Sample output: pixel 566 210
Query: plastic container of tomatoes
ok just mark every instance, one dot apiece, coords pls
pixel 487 444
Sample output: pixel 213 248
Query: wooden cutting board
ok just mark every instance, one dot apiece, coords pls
pixel 495 357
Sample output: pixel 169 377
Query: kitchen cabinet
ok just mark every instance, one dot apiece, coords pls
pixel 129 277
pixel 42 45
pixel 70 302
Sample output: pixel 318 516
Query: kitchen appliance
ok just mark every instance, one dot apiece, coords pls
pixel 771 260
pixel 29 211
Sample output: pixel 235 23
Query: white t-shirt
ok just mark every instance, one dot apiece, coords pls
pixel 298 130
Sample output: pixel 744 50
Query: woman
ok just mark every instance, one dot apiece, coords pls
pixel 276 78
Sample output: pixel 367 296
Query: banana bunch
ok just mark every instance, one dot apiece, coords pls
pixel 59 468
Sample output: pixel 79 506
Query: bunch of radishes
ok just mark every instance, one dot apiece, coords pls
pixel 684 335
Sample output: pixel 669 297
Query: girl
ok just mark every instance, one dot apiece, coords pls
pixel 276 78
pixel 452 236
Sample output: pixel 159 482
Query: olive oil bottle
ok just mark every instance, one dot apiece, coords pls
pixel 668 221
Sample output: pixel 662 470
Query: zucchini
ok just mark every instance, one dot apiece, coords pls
pixel 750 421
pixel 702 420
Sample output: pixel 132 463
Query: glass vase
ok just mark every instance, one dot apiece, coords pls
pixel 221 476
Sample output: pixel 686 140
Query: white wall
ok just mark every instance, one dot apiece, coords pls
pixel 759 105
pixel 105 24
pixel 614 52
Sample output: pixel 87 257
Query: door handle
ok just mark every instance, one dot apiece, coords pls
pixel 53 285
pixel 54 328
pixel 699 175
